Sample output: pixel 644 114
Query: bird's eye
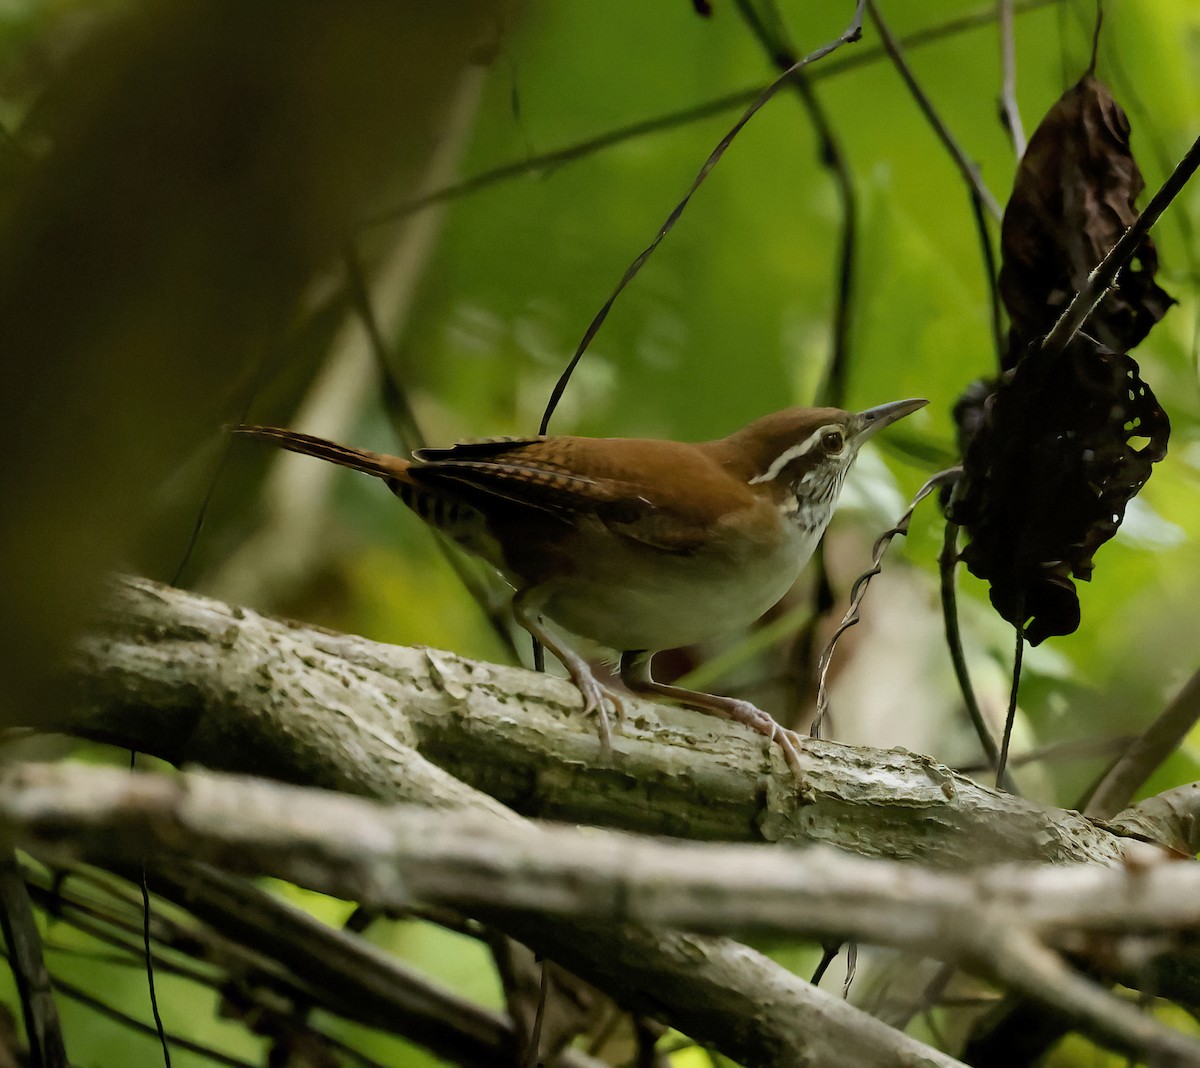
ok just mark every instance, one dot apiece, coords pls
pixel 833 441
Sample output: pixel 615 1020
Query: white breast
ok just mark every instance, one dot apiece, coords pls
pixel 631 599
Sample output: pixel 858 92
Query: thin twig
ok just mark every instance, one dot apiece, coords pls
pixel 282 949
pixel 1018 957
pixel 1069 749
pixel 1139 760
pixel 975 1002
pixel 148 956
pixel 829 954
pixel 404 423
pixel 801 672
pixel 264 1007
pixel 80 995
pixel 93 918
pixel 128 953
pixel 851 33
pixel 859 590
pixel 548 161
pixel 1105 272
pixel 1096 27
pixel 946 564
pixel 350 977
pixel 967 169
pixel 1018 654
pixel 833 386
pixel 936 987
pixel 533 1050
pixel 152 986
pixel 935 1030
pixel 832 390
pixel 991 277
pixel 395 396
pixel 1148 129
pixel 42 1028
pixel 198 942
pixel 1008 86
pixel 263 368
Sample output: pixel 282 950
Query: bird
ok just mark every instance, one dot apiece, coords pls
pixel 638 544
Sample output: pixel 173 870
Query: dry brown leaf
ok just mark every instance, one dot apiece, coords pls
pixel 1055 448
pixel 1073 197
pixel 1060 448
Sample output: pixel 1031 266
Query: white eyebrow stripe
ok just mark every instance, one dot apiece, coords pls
pixel 788 455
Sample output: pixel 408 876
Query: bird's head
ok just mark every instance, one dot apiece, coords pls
pixel 809 450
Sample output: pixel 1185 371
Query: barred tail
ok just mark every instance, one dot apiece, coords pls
pixel 373 463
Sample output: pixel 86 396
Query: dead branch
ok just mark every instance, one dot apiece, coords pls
pixel 193 680
pixel 995 921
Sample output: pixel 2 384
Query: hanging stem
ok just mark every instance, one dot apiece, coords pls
pixel 946 564
pixel 859 591
pixel 1012 700
pixel 852 33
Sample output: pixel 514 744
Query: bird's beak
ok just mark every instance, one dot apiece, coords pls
pixel 873 420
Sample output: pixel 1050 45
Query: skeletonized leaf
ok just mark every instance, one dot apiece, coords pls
pixel 1059 449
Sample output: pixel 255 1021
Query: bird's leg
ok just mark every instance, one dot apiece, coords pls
pixel 595 696
pixel 635 673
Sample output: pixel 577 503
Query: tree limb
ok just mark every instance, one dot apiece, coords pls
pixel 992 920
pixel 190 679
pixel 400 856
pixel 193 680
pixel 1171 818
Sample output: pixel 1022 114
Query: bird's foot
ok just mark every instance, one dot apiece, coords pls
pixel 635 673
pixel 754 717
pixel 598 699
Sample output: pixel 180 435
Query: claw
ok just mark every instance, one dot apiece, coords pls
pixel 787 742
pixel 594 695
pixel 765 724
pixel 595 699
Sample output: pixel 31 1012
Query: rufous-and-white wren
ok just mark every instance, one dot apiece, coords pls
pixel 638 544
